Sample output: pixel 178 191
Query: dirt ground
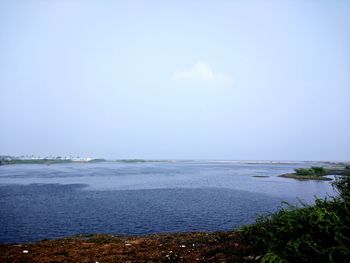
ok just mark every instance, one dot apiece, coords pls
pixel 186 247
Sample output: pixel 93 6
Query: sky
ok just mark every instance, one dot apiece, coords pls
pixel 233 80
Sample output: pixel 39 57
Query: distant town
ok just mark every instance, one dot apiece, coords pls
pixel 6 159
pixel 32 159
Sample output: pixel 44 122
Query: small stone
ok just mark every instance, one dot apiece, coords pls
pixel 25 251
pixel 182 246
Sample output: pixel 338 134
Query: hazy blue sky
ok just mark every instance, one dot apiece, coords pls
pixel 176 79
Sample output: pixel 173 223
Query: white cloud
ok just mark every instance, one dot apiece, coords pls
pixel 202 72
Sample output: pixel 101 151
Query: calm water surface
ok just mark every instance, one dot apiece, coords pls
pixel 51 201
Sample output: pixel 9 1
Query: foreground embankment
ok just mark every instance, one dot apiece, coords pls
pixel 186 247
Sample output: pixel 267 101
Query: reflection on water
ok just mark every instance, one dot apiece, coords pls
pixel 48 201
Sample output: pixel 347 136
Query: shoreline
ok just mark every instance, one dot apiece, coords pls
pixel 300 177
pixel 166 247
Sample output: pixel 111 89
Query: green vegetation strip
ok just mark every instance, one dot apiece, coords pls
pixel 318 233
pixel 317 173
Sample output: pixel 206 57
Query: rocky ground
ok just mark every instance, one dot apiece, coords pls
pixel 186 247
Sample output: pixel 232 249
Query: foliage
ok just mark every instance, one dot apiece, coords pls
pixel 313 171
pixel 318 233
pixel 347 170
pixel 319 170
pixel 304 171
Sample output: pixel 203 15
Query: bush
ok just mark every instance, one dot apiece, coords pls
pixel 305 171
pixel 313 171
pixel 319 170
pixel 318 233
pixel 347 170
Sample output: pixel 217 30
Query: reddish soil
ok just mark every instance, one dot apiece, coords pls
pixel 186 247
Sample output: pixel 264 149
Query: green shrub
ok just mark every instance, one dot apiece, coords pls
pixel 313 171
pixel 305 171
pixel 318 233
pixel 347 170
pixel 319 170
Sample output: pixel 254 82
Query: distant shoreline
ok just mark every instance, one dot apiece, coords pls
pixel 47 161
pixel 7 160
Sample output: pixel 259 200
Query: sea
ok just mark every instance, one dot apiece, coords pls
pixel 49 201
